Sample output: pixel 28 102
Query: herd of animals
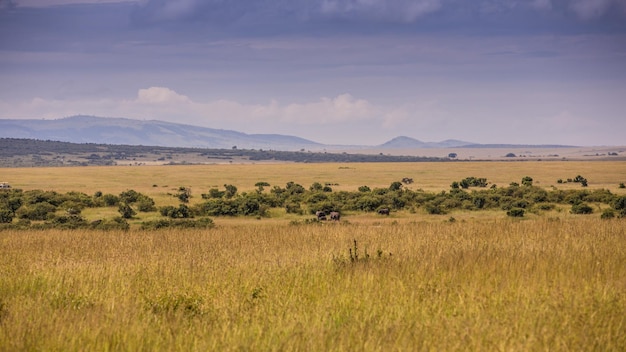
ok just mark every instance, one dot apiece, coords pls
pixel 335 216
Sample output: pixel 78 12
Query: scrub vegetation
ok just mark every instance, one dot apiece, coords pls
pixel 49 209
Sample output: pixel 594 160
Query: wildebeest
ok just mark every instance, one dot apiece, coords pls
pixel 334 215
pixel 383 211
pixel 320 215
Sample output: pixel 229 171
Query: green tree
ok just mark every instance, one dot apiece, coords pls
pixel 145 203
pixel 130 196
pixel 261 186
pixel 110 200
pixel 230 192
pixel 527 181
pixel 395 186
pixel 316 187
pixel 126 211
pixel 184 193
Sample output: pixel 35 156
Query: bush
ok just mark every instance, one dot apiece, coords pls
pixel 126 211
pixel 545 206
pixel 129 196
pixel 516 213
pixel 581 208
pixel 293 208
pixel 184 193
pixel 117 223
pixel 182 212
pixel 110 200
pixel 395 186
pixel 6 216
pixel 434 209
pixel 607 214
pixel 231 191
pixel 261 185
pixel 527 181
pixel 203 223
pixel 145 204
pixel 38 211
pixel 479 202
pixel 68 222
pixel 620 205
pixel 581 180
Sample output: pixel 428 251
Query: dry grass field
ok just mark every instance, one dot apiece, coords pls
pixel 408 282
pixel 158 181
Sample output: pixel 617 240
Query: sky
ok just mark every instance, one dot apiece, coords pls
pixel 332 71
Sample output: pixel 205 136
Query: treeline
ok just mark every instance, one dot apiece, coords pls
pixel 105 154
pixel 49 209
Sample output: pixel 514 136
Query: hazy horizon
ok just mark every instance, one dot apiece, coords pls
pixel 331 71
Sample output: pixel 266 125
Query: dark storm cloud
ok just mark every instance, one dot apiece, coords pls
pixel 486 16
pixel 421 67
pixel 246 11
pixel 7 4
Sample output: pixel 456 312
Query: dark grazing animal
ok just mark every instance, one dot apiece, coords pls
pixel 383 211
pixel 334 215
pixel 320 215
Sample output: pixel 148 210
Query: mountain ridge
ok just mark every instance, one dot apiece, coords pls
pixel 117 130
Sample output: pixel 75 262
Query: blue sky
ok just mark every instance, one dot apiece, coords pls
pixel 333 71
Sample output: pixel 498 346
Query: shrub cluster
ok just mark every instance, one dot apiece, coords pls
pixel 577 179
pixel 49 209
pixel 297 199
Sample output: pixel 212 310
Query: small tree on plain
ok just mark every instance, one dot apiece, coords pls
pixel 126 211
pixel 527 181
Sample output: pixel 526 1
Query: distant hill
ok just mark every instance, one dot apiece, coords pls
pixel 501 146
pixel 90 129
pixel 122 131
pixel 404 142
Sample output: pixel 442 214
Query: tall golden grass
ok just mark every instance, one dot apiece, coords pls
pixel 495 284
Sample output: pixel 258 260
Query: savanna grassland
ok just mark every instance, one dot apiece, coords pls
pixel 412 281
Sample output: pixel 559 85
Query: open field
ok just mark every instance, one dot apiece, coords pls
pixel 157 181
pixel 530 153
pixel 411 281
pixel 501 285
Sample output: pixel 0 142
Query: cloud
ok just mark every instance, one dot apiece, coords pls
pixel 595 9
pixel 7 4
pixel 390 10
pixel 261 11
pixel 341 108
pixel 160 95
pixel 543 5
pixel 48 3
pixel 166 104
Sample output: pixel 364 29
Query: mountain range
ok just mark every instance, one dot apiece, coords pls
pixel 102 130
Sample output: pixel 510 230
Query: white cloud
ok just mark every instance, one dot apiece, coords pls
pixel 160 95
pixel 342 108
pixel 165 104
